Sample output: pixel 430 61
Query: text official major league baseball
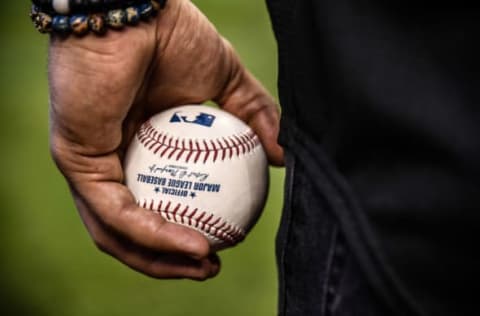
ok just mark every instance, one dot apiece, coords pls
pixel 200 167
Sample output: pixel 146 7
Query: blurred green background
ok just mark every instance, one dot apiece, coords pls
pixel 48 264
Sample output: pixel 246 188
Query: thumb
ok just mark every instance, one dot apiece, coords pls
pixel 246 98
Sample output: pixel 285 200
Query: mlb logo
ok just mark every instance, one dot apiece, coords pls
pixel 202 119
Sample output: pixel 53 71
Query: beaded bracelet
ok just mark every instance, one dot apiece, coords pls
pixel 66 7
pixel 81 23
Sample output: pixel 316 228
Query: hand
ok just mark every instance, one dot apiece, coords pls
pixel 103 88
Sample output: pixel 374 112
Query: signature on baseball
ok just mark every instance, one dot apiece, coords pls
pixel 179 172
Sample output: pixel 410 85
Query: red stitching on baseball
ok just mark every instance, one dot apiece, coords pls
pixel 191 215
pixel 176 210
pixel 198 150
pixel 207 221
pixel 219 229
pixel 199 220
pixel 220 148
pixel 215 150
pixel 215 222
pixel 207 153
pixel 238 142
pixel 182 216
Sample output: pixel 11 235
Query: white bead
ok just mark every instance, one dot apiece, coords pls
pixel 61 6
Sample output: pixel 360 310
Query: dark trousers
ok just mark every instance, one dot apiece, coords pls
pixel 318 273
pixel 329 260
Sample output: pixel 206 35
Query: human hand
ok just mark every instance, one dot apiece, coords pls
pixel 103 88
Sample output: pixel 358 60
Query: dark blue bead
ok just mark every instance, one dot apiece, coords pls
pixel 61 24
pixel 145 10
pixel 79 24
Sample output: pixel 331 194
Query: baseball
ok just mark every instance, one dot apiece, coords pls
pixel 200 167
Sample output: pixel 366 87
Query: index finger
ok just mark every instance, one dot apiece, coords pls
pixel 116 208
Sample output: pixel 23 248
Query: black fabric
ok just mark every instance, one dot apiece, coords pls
pixel 319 275
pixel 388 92
pixel 324 278
pixel 320 209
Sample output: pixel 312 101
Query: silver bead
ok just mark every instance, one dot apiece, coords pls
pixel 61 6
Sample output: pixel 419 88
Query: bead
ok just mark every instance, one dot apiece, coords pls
pixel 53 15
pixel 133 16
pixel 45 22
pixel 42 22
pixel 60 24
pixel 97 24
pixel 145 10
pixel 79 24
pixel 116 18
pixel 61 6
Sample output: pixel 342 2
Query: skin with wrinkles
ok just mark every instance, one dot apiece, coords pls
pixel 103 88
